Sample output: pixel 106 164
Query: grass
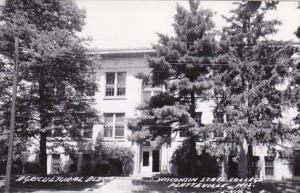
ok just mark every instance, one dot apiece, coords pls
pixel 150 186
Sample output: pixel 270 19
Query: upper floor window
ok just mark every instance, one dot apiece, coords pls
pixel 198 117
pixel 219 117
pixel 58 127
pixel 184 132
pixel 88 131
pixel 115 84
pixel 114 125
pixel 148 93
pixel 90 89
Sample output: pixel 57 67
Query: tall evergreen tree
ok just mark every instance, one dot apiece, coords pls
pixel 181 65
pixel 294 92
pixel 55 72
pixel 250 68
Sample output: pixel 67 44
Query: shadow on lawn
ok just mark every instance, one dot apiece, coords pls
pixel 150 185
pixel 288 186
pixel 31 187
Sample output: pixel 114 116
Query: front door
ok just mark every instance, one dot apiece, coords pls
pixel 150 161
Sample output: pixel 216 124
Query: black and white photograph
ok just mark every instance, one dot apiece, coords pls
pixel 149 96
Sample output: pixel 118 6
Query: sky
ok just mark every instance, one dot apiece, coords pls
pixel 134 24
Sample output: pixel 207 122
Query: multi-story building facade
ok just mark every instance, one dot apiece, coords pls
pixel 119 94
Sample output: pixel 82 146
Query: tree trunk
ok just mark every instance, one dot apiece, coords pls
pixel 250 171
pixel 43 153
pixel 43 134
pixel 193 168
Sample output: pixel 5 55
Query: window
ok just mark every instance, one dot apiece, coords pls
pixel 184 132
pixel 58 127
pixel 115 84
pixel 86 164
pixel 219 117
pixel 119 126
pixel 269 166
pixel 218 133
pixel 255 166
pixel 90 89
pixel 114 125
pixel 146 158
pixel 57 132
pixel 121 83
pixel 148 92
pixel 74 163
pixel 60 89
pixel 146 96
pixel 88 131
pixel 55 163
pixel 198 116
pixel 108 125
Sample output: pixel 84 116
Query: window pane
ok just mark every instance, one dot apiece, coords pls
pixel 146 96
pixel 90 89
pixel 55 164
pixel 121 83
pixel 120 124
pixel 108 125
pixel 146 158
pixel 156 92
pixel 57 132
pixel 184 132
pixel 88 132
pixel 255 166
pixel 269 166
pixel 198 116
pixel 74 163
pixel 110 84
pixel 60 89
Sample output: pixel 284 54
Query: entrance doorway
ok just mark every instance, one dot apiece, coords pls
pixel 150 161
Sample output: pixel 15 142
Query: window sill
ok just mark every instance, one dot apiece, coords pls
pixel 114 98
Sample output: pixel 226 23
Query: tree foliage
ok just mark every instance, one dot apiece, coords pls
pixel 181 65
pixel 54 70
pixel 246 81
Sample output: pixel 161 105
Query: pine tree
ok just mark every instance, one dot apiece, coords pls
pixel 55 72
pixel 182 66
pixel 250 67
pixel 294 92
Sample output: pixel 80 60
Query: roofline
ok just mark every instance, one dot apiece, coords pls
pixel 122 52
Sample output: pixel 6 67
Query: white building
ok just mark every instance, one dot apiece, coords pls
pixel 119 94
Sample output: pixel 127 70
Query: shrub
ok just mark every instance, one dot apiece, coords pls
pixel 113 159
pixel 189 163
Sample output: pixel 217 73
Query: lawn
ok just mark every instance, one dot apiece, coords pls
pixel 150 185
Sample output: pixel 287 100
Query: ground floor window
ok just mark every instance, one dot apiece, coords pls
pixel 297 163
pixel 86 167
pixel 55 163
pixel 269 166
pixel 255 166
pixel 146 158
pixel 74 163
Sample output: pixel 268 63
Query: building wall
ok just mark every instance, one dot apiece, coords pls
pixel 132 65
